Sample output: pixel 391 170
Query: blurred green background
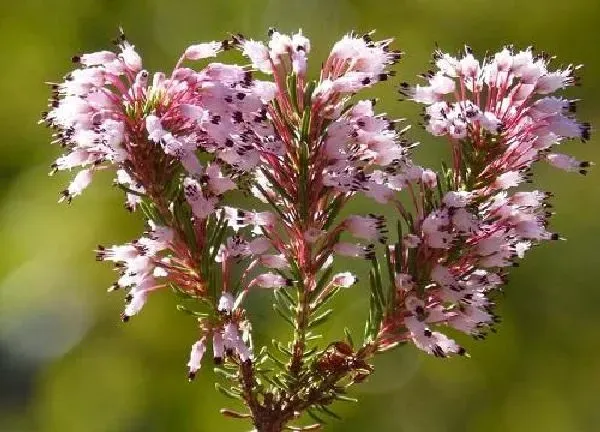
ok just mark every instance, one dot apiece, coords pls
pixel 67 363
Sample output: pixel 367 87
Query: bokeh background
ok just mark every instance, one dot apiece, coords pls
pixel 67 364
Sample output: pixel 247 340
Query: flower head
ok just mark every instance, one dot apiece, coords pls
pixel 499 119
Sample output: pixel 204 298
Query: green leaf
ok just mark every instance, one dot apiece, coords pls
pixel 348 337
pixel 130 191
pixel 329 412
pixel 345 398
pixel 150 211
pixel 332 210
pixel 278 382
pixel 183 216
pixel 376 288
pixel 274 383
pixel 448 174
pixel 284 299
pixel 303 180
pixel 309 88
pixel 325 276
pixel 320 319
pixel 313 416
pixel 183 308
pixel 367 337
pixel 275 360
pixel 293 91
pixel 310 352
pixel 326 299
pixel 284 315
pixel 281 348
pixel 439 187
pixel 225 374
pixel 391 292
pixel 231 393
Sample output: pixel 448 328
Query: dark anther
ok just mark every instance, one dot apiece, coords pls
pixel 586 131
pixel 572 106
pixel 238 117
pixel 237 39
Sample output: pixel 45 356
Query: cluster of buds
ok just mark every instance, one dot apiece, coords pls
pixel 180 143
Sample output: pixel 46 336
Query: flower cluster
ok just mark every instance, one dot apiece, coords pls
pixel 230 336
pixel 499 120
pixel 180 143
pixel 152 129
pixel 333 148
pixel 111 111
pixel 142 266
pixel 503 105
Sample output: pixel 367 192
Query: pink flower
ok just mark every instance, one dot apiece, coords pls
pixel 202 51
pixel 201 204
pixel 196 354
pixel 567 163
pixel 79 183
pixel 353 250
pixel 370 227
pixel 271 280
pixel 274 261
pixel 225 303
pixel 344 280
pixel 217 183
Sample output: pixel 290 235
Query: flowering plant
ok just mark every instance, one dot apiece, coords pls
pixel 300 150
